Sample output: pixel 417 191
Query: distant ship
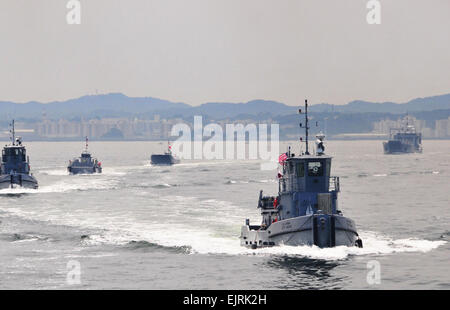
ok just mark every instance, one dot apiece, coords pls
pixel 403 140
pixel 305 211
pixel 85 164
pixel 15 165
pixel 164 159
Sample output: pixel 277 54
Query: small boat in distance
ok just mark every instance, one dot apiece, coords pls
pixel 403 140
pixel 85 164
pixel 164 159
pixel 15 165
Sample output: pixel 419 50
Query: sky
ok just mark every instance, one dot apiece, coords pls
pixel 198 51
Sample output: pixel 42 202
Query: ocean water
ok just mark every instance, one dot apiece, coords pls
pixel 137 226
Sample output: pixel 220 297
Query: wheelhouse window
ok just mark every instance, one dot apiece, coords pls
pixel 12 152
pixel 315 169
pixel 300 167
pixel 291 167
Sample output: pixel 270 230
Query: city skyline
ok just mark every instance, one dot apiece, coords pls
pixel 158 129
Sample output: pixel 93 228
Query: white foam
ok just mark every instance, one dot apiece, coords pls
pixel 55 172
pixel 105 171
pixel 113 171
pixel 76 183
pixel 373 244
pixel 26 240
pixel 214 229
pixel 17 191
pixel 210 240
pixel 162 185
pixel 207 242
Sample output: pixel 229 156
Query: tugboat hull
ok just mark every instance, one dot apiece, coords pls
pixel 397 147
pixel 84 170
pixel 18 180
pixel 163 160
pixel 322 230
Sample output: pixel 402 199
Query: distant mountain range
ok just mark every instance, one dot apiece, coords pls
pixel 110 105
pixel 120 105
pixel 441 102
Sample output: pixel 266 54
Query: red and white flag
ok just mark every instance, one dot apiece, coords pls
pixel 282 158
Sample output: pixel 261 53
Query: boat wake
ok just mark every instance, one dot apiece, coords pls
pixel 374 244
pixel 222 239
pixel 203 242
pixel 76 184
pixel 26 237
pixel 54 172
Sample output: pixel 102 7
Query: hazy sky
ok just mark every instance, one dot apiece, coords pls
pixel 196 51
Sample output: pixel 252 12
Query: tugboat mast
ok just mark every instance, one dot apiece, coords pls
pixel 86 144
pixel 306 125
pixel 407 122
pixel 13 133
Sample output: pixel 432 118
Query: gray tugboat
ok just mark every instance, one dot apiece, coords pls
pixel 305 212
pixel 85 164
pixel 164 159
pixel 403 140
pixel 15 165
